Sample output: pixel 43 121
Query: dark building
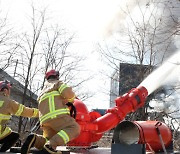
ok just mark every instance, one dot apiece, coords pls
pixel 100 111
pixel 127 77
pixel 17 91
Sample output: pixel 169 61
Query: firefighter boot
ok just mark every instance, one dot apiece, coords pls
pixel 8 141
pixel 28 144
pixel 47 149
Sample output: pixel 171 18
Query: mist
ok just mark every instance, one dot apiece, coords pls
pixel 156 17
pixel 166 74
pixel 162 16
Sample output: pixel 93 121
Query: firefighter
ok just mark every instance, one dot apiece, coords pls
pixel 10 107
pixel 57 125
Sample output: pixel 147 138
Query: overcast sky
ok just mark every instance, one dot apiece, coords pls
pixel 91 20
pixel 88 19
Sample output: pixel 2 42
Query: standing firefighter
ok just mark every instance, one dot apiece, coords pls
pixel 10 107
pixel 55 120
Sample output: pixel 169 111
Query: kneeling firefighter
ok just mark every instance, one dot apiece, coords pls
pixel 10 107
pixel 56 123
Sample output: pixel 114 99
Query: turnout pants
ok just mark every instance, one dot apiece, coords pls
pixel 58 132
pixel 8 141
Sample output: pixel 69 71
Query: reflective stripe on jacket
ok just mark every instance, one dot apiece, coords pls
pixel 53 113
pixel 4 131
pixel 10 107
pixel 53 98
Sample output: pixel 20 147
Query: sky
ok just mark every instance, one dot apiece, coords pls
pixel 91 20
pixel 88 19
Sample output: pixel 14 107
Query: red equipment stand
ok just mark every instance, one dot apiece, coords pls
pixel 140 137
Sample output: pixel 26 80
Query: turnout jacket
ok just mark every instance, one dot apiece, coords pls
pixel 52 100
pixel 9 107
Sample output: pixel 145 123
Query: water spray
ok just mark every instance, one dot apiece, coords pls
pixel 163 74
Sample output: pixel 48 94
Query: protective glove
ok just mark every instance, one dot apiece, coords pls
pixel 72 109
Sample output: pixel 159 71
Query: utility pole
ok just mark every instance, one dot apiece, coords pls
pixel 15 68
pixel 119 78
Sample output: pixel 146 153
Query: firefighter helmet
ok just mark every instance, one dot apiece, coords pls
pixel 51 73
pixel 5 84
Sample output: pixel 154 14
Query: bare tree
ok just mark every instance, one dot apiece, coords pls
pixel 28 53
pixel 7 45
pixel 57 55
pixel 147 38
pixel 45 47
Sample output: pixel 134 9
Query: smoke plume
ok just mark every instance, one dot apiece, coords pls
pixel 164 15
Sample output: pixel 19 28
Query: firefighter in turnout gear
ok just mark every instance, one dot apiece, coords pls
pixel 10 107
pixel 56 123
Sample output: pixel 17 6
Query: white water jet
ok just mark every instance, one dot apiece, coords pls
pixel 166 73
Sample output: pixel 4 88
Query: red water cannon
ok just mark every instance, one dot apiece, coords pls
pixel 93 125
pixel 125 104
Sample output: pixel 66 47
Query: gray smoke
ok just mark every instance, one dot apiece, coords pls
pixel 164 17
pixel 160 17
